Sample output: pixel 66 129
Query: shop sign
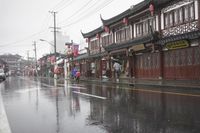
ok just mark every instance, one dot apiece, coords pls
pixel 138 47
pixel 177 44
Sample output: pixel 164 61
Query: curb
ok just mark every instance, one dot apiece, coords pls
pixel 146 84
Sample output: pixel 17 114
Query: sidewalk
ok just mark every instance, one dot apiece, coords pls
pixel 4 125
pixel 186 84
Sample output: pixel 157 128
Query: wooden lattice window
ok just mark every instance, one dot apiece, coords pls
pixel 106 40
pixel 143 27
pixel 123 34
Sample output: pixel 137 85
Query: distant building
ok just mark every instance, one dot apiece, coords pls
pixel 14 63
pixel 4 65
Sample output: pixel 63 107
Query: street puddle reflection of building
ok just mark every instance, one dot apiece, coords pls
pixel 129 111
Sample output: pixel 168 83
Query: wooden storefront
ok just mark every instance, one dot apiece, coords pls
pixel 182 64
pixel 147 66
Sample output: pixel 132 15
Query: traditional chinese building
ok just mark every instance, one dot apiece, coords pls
pixel 180 29
pixel 152 40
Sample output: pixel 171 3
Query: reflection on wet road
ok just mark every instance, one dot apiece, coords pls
pixel 37 106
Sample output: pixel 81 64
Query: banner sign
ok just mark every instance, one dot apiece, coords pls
pixel 75 49
pixel 177 44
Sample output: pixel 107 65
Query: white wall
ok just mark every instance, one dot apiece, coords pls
pixel 60 43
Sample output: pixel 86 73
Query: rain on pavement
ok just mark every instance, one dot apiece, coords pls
pixel 37 106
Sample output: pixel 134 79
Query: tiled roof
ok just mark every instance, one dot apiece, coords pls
pixel 92 33
pixel 131 11
pixel 189 36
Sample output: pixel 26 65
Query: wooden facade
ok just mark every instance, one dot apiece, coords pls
pixel 164 44
pixel 148 65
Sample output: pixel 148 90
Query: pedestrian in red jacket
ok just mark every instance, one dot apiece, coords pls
pixel 78 74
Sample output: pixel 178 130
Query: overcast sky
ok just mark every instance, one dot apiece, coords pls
pixel 23 21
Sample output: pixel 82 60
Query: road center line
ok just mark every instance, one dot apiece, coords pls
pixel 85 94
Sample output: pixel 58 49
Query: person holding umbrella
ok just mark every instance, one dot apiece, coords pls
pixel 117 69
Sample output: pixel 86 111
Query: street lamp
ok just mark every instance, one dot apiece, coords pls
pixel 54 45
pixel 42 40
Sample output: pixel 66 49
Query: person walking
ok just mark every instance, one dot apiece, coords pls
pixel 117 70
pixel 78 74
pixel 74 70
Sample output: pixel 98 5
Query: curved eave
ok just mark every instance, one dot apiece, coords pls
pixel 92 33
pixel 130 43
pixel 115 18
pixel 131 11
pixel 161 2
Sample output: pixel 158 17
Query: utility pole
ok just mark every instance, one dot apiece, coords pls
pixel 35 50
pixel 28 56
pixel 54 31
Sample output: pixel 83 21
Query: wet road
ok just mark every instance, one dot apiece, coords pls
pixel 37 106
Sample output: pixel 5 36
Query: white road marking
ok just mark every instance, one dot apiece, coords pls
pixel 85 94
pixel 76 87
pixel 4 125
pixel 27 90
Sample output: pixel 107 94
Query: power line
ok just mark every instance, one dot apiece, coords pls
pixel 88 14
pixel 58 4
pixel 89 11
pixel 66 5
pixel 22 40
pixel 78 11
pixel 46 22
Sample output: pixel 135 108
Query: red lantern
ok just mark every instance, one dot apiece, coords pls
pixel 151 9
pixel 106 28
pixel 125 21
pixel 97 36
pixel 87 40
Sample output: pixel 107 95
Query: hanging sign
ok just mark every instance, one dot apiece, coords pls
pixel 138 47
pixel 177 44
